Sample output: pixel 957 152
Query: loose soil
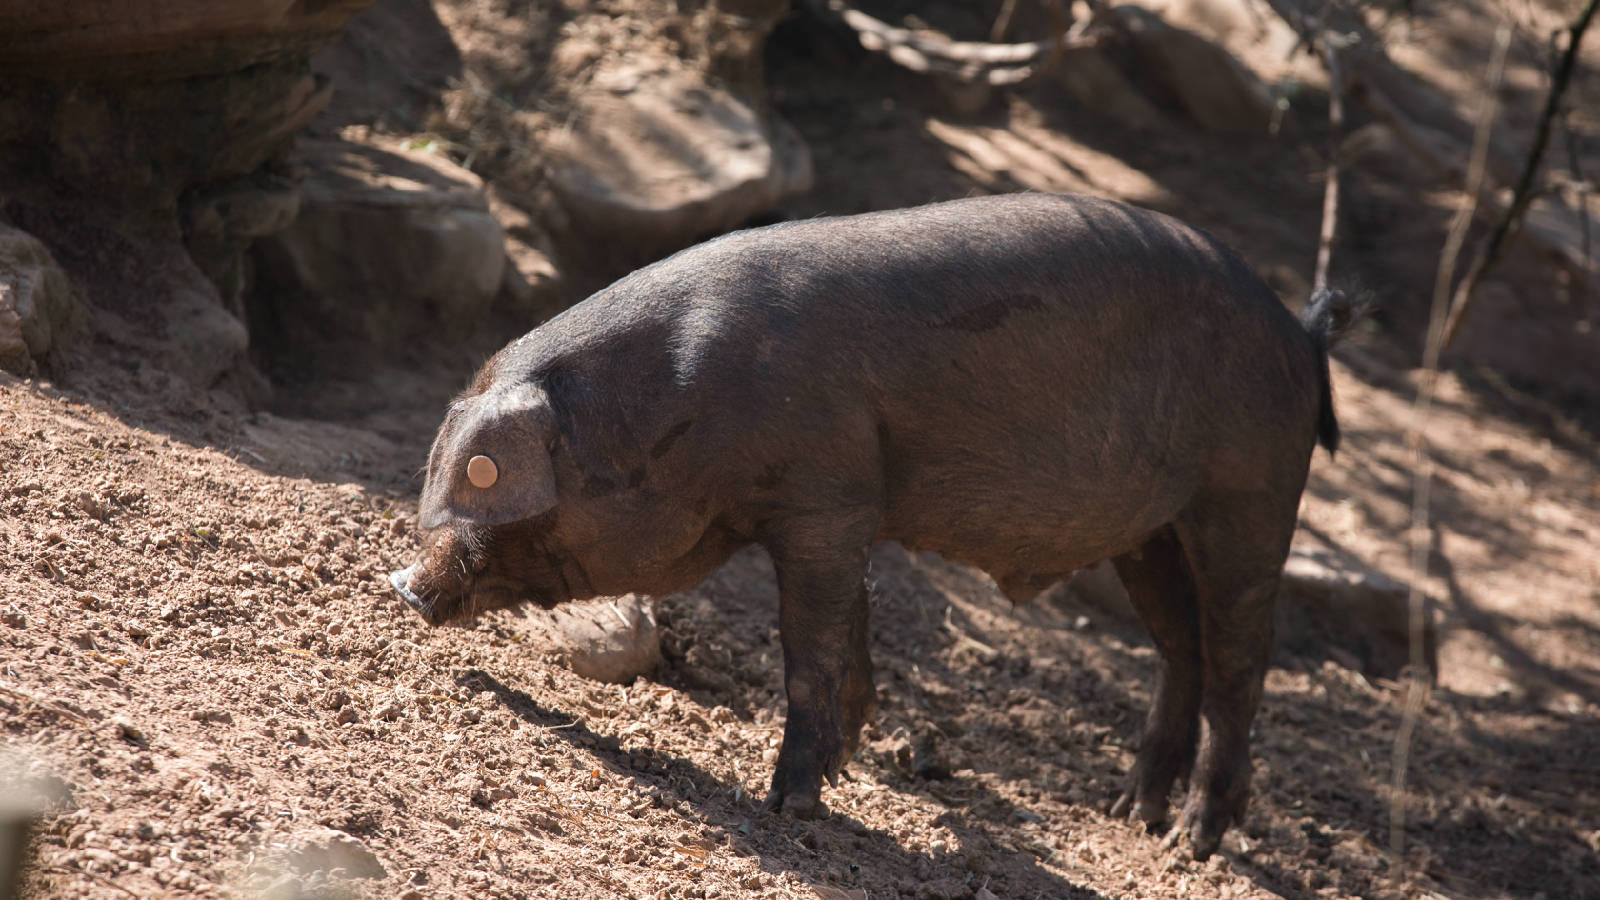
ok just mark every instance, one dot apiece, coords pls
pixel 205 668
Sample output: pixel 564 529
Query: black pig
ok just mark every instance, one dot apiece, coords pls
pixel 1026 383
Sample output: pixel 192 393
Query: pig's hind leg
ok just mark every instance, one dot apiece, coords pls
pixel 1157 579
pixel 821 561
pixel 1235 544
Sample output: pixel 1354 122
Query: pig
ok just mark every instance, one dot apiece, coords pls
pixel 1028 383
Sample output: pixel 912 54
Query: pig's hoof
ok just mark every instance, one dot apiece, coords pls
pixel 1200 829
pixel 1152 813
pixel 1123 806
pixel 1205 835
pixel 796 805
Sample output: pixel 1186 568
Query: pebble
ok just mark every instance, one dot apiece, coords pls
pixel 124 728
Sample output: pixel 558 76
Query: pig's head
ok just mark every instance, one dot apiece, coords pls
pixel 488 510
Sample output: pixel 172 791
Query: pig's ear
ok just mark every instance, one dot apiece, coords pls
pixel 491 462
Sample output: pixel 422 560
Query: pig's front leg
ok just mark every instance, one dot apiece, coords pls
pixel 822 618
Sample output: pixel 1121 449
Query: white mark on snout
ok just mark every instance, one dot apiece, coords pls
pixel 401 581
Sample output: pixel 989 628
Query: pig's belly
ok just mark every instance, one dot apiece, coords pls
pixel 1044 520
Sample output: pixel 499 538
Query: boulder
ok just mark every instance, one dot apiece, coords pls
pixel 1217 91
pixel 654 161
pixel 392 249
pixel 116 39
pixel 1330 605
pixel 326 850
pixel 143 293
pixel 1250 30
pixel 1094 82
pixel 614 639
pixel 39 314
pixel 143 142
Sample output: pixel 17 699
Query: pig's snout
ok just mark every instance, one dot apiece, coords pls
pixel 401 579
pixel 434 607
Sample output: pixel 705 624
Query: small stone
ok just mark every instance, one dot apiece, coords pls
pixel 14 619
pixel 612 639
pixel 325 849
pixel 124 728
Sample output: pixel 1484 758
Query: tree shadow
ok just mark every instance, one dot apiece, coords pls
pixel 1536 678
pixel 810 849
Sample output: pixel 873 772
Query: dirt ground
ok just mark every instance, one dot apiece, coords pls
pixel 204 665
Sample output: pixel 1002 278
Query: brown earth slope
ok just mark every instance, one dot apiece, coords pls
pixel 201 661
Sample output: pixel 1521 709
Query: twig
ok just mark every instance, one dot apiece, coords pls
pixel 1522 196
pixel 71 870
pixel 1421 545
pixel 1462 221
pixel 1330 193
pixel 1581 185
pixel 1002 22
pixel 997 65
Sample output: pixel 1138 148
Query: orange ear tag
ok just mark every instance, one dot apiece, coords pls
pixel 482 472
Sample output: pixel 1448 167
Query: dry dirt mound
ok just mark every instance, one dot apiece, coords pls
pixel 206 675
pixel 204 664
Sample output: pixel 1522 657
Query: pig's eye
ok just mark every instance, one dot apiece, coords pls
pixel 482 472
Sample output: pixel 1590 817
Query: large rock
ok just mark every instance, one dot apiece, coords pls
pixel 614 639
pixel 655 161
pixel 144 294
pixel 324 849
pixel 1329 599
pixel 1330 605
pixel 39 314
pixel 162 38
pixel 143 142
pixel 1095 82
pixel 392 250
pixel 1217 91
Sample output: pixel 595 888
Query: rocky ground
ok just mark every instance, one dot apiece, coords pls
pixel 209 683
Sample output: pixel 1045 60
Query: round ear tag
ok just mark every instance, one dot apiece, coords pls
pixel 482 472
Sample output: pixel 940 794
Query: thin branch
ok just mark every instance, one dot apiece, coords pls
pixel 1002 22
pixel 997 65
pixel 1330 193
pixel 1522 195
pixel 1580 186
pixel 1421 545
pixel 1477 175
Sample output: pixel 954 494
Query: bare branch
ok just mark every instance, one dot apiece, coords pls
pixel 1462 221
pixel 975 62
pixel 1522 195
pixel 1002 22
pixel 1416 438
pixel 1330 193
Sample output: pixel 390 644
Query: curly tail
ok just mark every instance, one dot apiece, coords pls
pixel 1326 317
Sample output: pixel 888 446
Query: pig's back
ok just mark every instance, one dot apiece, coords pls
pixel 1040 372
